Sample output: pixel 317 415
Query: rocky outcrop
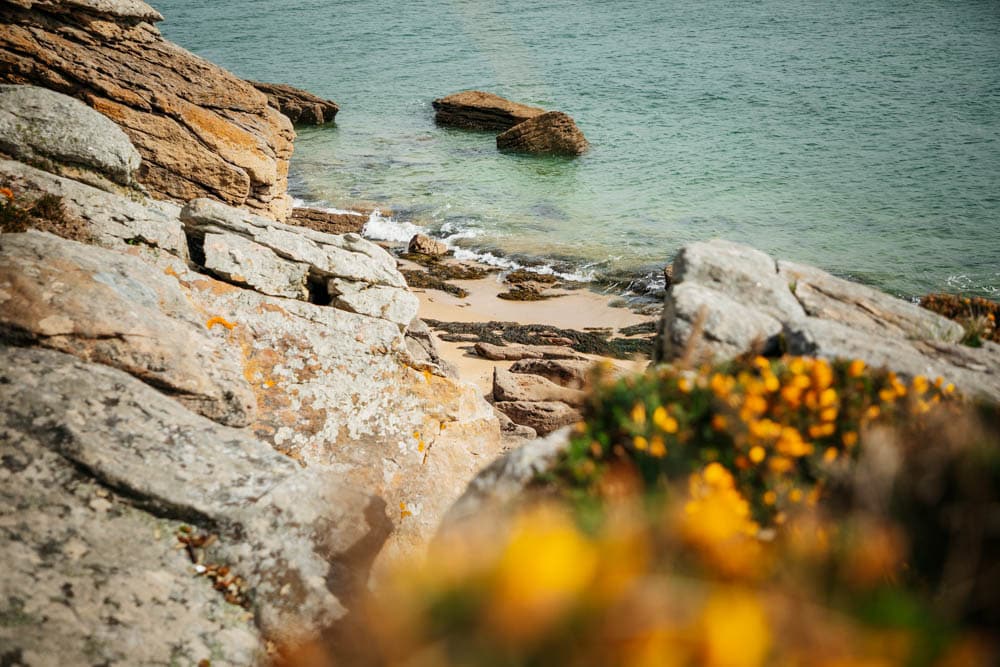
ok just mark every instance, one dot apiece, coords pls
pixel 516 352
pixel 299 106
pixel 543 416
pixel 551 133
pixel 425 245
pixel 476 110
pixel 101 476
pixel 347 222
pixel 109 308
pixel 201 131
pixel 728 299
pixel 570 373
pixel 509 386
pixel 38 125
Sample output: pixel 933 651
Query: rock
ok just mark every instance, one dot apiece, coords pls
pixel 476 110
pixel 100 470
pixel 571 373
pixel 735 299
pixel 388 303
pixel 543 416
pixel 513 435
pixel 201 131
pixel 111 309
pixel 39 124
pixel 243 262
pixel 551 133
pixel 424 352
pixel 516 352
pixel 506 479
pixel 509 386
pixel 348 222
pixel 112 221
pixel 299 106
pixel 863 308
pixel 425 245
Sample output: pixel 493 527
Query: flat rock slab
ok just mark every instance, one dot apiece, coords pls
pixel 112 309
pixel 41 124
pixel 477 110
pixel 347 222
pixel 728 299
pixel 300 539
pixel 550 133
pixel 543 416
pixel 517 352
pixel 299 106
pixel 509 386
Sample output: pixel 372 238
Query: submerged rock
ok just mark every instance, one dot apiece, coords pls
pixel 474 109
pixel 300 106
pixel 728 299
pixel 551 133
pixel 201 131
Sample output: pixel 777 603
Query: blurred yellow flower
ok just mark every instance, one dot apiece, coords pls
pixel 663 421
pixel 735 629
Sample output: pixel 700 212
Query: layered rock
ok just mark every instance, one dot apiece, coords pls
pixel 551 133
pixel 476 110
pixel 728 299
pixel 348 222
pixel 201 131
pixel 508 386
pixel 425 245
pixel 300 106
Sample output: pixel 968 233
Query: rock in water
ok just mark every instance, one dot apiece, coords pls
pixel 300 106
pixel 551 133
pixel 476 110
pixel 425 245
pixel 201 131
pixel 39 124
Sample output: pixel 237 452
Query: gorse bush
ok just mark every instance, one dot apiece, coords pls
pixel 976 314
pixel 761 512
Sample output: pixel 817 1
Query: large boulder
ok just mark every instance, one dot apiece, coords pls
pixel 299 106
pixel 201 131
pixel 728 299
pixel 109 308
pixel 551 133
pixel 425 245
pixel 135 532
pixel 476 110
pixel 543 416
pixel 509 386
pixel 41 125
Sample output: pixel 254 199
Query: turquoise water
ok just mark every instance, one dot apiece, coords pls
pixel 861 136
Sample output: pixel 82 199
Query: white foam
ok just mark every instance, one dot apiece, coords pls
pixel 381 228
pixel 302 203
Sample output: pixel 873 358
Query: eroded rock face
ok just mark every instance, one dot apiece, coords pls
pixel 109 308
pixel 425 245
pixel 571 373
pixel 509 386
pixel 476 110
pixel 99 470
pixel 201 131
pixel 348 222
pixel 551 133
pixel 298 105
pixel 39 124
pixel 543 416
pixel 728 299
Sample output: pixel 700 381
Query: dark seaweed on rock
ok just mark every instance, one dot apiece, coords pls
pixel 587 342
pixel 427 280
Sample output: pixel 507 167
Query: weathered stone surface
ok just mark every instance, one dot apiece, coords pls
pixel 39 124
pixel 111 309
pixel 543 416
pixel 300 539
pixel 570 373
pixel 516 352
pixel 507 478
pixel 424 352
pixel 476 110
pixel 200 130
pixel 298 105
pixel 348 257
pixel 509 386
pixel 389 303
pixel 864 308
pixel 113 221
pixel 425 245
pixel 741 300
pixel 340 390
pixel 551 133
pixel 348 222
pixel 513 435
pixel 244 262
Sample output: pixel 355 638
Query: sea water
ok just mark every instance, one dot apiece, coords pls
pixel 862 136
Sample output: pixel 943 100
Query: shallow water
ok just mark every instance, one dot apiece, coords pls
pixel 861 136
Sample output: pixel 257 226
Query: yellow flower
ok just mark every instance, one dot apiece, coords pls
pixel 886 395
pixel 663 421
pixel 873 412
pixel 828 397
pixel 639 414
pixel 735 630
pixel 920 385
pixel 780 464
pixel 795 496
pixel 640 443
pixel 856 368
pixel 771 383
pixel 719 422
pixel 822 374
pixel 770 497
pixel 830 455
pixel 757 454
pixel 850 439
pixel 949 388
pixel 716 475
pixel 684 385
pixel 828 414
pixel 657 448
